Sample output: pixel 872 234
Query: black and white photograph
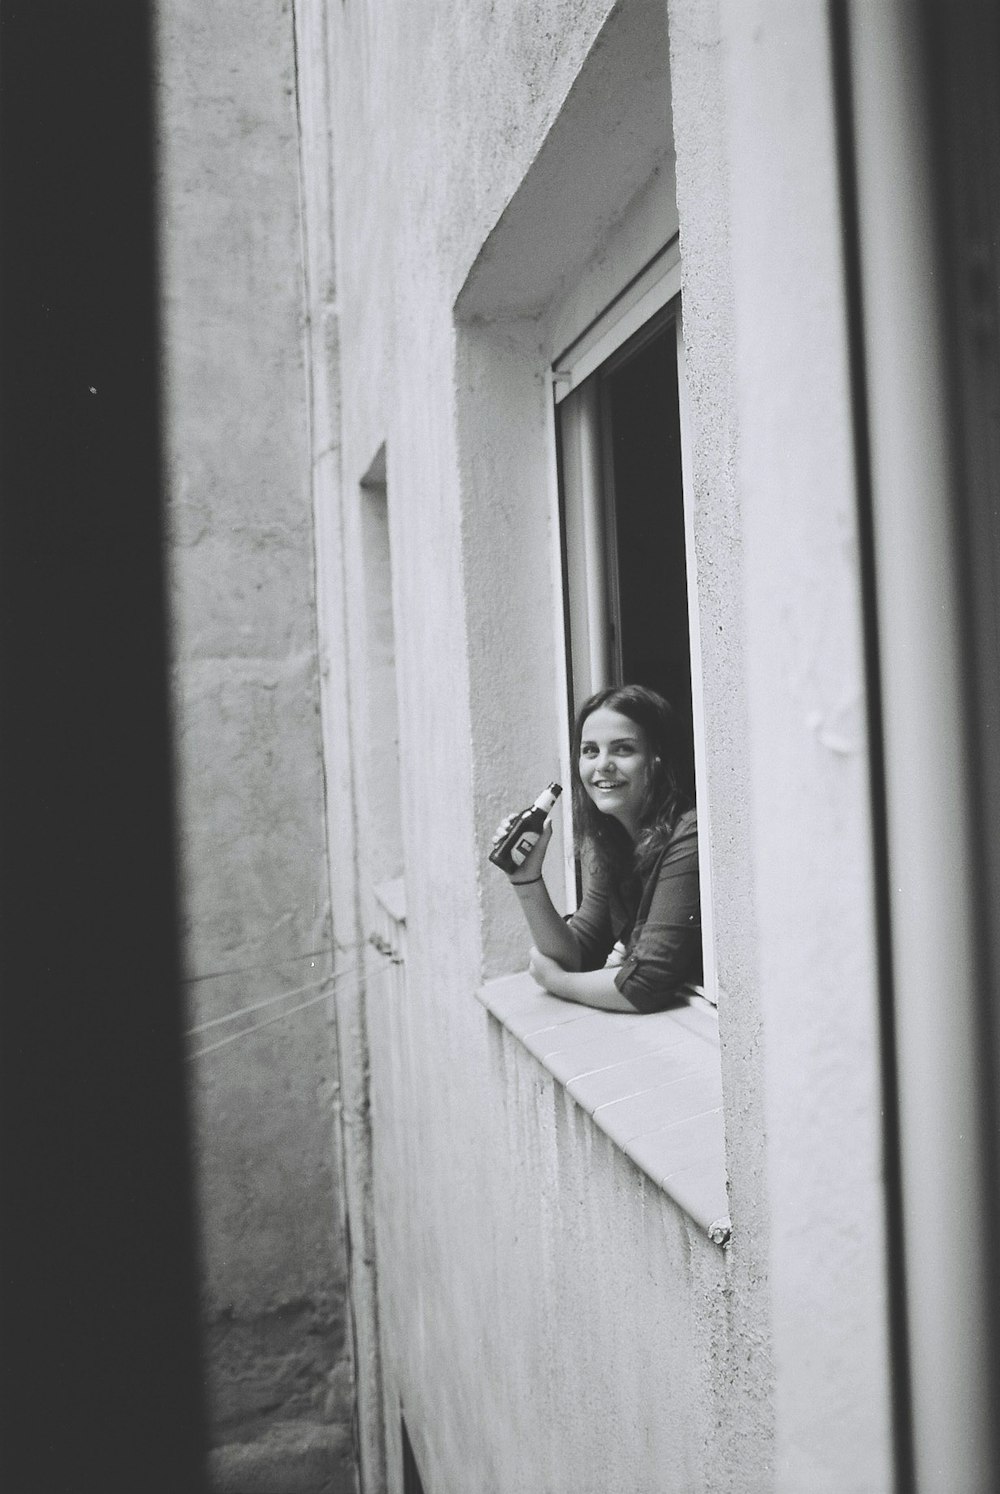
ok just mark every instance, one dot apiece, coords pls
pixel 500 746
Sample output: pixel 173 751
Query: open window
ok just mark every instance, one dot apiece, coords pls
pixel 629 592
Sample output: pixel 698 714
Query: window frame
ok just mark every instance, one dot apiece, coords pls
pixel 582 600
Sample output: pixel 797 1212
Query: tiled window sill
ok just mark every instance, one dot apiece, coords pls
pixel 651 1082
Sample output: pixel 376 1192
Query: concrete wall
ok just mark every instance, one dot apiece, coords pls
pixel 251 790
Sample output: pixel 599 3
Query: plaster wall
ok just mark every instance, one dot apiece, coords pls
pixel 704 197
pixel 547 1320
pixel 815 899
pixel 246 698
pixel 519 1359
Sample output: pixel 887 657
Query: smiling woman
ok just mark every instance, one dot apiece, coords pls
pixel 635 940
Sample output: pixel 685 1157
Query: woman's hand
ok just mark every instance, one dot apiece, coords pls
pixel 531 867
pixel 549 931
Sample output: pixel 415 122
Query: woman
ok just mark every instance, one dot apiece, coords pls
pixel 640 863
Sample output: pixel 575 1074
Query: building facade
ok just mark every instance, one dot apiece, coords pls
pixel 518 194
pixel 636 347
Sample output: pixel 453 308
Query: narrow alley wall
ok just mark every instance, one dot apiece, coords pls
pixel 250 790
pixel 550 1318
pixel 548 1322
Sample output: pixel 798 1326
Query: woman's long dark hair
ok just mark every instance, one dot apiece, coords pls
pixel 610 846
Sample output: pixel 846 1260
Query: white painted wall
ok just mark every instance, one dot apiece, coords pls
pixel 812 855
pixel 547 1320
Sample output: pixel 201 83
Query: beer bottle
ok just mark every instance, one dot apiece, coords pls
pixel 516 845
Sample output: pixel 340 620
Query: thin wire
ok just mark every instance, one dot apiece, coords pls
pixel 235 1036
pixel 258 1006
pixel 310 954
pixel 268 1022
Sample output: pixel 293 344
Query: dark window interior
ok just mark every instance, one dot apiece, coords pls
pixel 639 397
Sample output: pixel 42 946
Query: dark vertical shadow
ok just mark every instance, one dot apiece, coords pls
pixel 961 48
pixel 101 1378
pixel 899 1344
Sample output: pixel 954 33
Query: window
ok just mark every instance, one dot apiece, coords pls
pixel 383 838
pixel 615 446
pixel 381 717
pixel 628 579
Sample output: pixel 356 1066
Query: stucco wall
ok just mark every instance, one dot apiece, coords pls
pixel 246 682
pixel 547 1319
pixel 815 899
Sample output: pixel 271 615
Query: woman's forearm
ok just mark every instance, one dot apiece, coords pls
pixel 588 987
pixel 552 935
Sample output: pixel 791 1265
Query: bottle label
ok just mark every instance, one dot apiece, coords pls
pixel 522 846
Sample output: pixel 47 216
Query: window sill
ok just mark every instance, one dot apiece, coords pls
pixel 652 1083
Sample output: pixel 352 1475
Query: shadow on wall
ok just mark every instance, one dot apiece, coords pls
pixel 99 1287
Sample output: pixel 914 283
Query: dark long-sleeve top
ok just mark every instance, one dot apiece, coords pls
pixel 658 921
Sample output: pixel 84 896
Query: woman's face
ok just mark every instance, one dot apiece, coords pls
pixel 616 765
